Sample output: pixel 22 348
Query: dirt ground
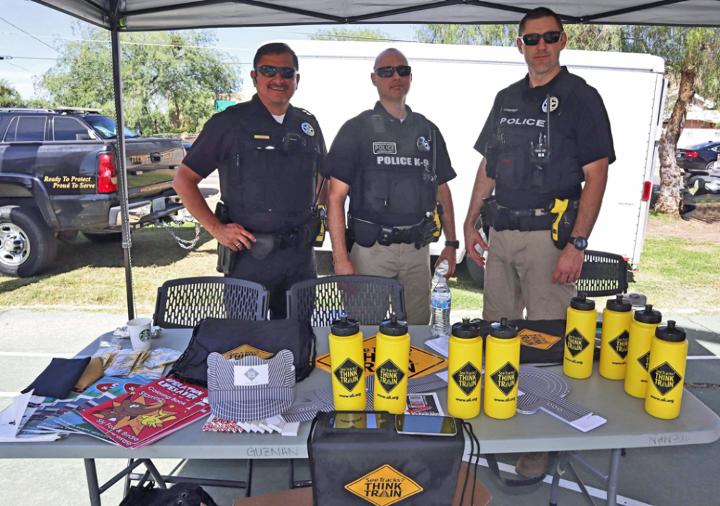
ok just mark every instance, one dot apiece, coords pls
pixel 691 230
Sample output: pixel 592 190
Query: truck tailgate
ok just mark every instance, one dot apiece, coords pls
pixel 151 164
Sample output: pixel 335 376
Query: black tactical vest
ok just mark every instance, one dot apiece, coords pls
pixel 522 125
pixel 268 182
pixel 397 179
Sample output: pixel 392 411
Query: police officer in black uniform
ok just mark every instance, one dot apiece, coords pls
pixel 267 153
pixel 394 164
pixel 545 135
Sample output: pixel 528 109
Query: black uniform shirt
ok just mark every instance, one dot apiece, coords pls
pixel 586 121
pixel 267 169
pixel 357 147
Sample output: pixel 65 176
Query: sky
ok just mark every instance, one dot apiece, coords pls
pixel 28 32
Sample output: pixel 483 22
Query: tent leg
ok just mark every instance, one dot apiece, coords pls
pixel 120 159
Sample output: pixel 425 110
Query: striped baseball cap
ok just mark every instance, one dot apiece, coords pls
pixel 250 388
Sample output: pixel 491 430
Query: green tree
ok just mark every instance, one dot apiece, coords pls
pixel 360 34
pixel 9 96
pixel 170 79
pixel 692 60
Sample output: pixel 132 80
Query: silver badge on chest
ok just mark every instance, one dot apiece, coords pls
pixel 307 128
pixel 423 144
pixel 554 103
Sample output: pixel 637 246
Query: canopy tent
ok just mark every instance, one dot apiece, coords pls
pixel 140 15
pixel 145 15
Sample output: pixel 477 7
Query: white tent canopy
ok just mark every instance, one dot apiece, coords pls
pixel 140 15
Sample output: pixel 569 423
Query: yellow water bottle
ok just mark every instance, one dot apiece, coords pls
pixel 392 359
pixel 579 338
pixel 642 330
pixel 668 356
pixel 502 370
pixel 347 362
pixel 464 370
pixel 614 340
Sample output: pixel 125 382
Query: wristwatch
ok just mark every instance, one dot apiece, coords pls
pixel 580 243
pixel 453 244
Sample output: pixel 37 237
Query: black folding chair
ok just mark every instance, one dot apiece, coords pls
pixel 182 303
pixel 603 274
pixel 368 299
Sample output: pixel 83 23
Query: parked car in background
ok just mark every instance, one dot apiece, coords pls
pixel 699 158
pixel 58 176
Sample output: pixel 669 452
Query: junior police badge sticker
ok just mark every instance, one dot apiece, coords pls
pixel 423 144
pixel 307 128
pixel 554 103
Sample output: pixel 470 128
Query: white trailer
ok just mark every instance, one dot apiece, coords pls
pixel 454 86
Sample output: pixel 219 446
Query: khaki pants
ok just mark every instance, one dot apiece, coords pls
pixel 518 275
pixel 405 263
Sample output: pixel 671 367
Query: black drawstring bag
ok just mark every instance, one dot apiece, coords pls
pixel 266 337
pixel 182 494
pixel 355 460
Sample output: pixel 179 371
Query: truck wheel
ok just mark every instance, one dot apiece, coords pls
pixel 27 244
pixel 103 237
pixel 477 273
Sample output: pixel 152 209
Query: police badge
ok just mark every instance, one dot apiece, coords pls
pixel 423 144
pixel 554 103
pixel 307 128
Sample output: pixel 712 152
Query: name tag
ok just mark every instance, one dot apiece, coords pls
pixel 248 375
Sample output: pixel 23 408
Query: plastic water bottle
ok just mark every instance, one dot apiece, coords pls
pixel 440 301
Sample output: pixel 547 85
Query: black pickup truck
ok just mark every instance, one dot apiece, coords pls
pixel 58 176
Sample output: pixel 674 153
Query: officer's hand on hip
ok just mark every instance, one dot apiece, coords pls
pixel 233 235
pixel 344 268
pixel 569 265
pixel 473 239
pixel 448 253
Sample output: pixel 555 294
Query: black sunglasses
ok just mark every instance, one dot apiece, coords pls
pixel 533 39
pixel 271 70
pixel 402 71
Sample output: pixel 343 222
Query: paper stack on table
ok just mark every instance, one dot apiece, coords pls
pixel 12 420
pixel 151 412
pixel 276 424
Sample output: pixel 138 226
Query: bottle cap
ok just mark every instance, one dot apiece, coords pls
pixel 465 329
pixel 648 315
pixel 393 326
pixel 670 332
pixel 619 304
pixel 344 327
pixel 582 303
pixel 503 330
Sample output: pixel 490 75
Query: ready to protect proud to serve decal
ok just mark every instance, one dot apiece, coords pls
pixel 421 364
pixel 384 486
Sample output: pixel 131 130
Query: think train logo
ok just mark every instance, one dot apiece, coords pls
pixel 384 486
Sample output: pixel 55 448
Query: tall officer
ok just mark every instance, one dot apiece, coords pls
pixel 395 165
pixel 267 153
pixel 545 135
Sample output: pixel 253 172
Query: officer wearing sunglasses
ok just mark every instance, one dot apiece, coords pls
pixel 545 136
pixel 267 153
pixel 394 165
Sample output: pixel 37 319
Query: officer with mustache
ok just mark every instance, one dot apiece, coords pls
pixel 394 164
pixel 546 148
pixel 267 153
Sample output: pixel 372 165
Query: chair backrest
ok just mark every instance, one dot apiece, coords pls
pixel 603 274
pixel 182 303
pixel 368 299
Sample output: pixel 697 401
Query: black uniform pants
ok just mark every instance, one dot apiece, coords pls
pixel 277 272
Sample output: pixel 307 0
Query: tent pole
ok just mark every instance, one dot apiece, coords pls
pixel 120 162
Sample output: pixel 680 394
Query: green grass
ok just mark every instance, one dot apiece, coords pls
pixel 675 274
